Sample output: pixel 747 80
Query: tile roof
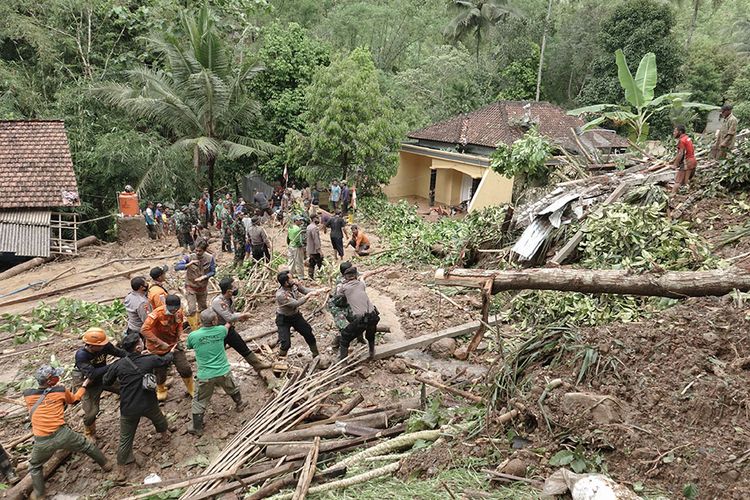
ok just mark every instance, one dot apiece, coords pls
pixel 500 122
pixel 36 169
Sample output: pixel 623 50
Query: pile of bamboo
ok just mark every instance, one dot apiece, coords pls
pixel 300 397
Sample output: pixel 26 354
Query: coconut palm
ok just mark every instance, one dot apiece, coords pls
pixel 199 98
pixel 474 18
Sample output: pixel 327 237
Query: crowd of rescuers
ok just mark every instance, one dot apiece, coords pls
pixel 159 331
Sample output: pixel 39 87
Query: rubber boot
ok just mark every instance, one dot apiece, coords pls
pixel 90 431
pixel 239 405
pixel 189 385
pixel 194 320
pixel 161 392
pixel 256 362
pixel 37 479
pixel 197 427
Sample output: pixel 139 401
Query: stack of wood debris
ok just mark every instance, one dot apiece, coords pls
pixel 574 200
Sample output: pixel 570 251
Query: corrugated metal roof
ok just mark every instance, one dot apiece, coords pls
pixel 532 238
pixel 25 233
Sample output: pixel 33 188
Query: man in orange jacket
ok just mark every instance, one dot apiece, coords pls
pixel 47 414
pixel 162 332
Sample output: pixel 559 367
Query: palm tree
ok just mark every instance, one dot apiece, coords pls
pixel 474 17
pixel 200 97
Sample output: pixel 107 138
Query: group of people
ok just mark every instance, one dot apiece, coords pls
pixel 155 340
pixel 685 162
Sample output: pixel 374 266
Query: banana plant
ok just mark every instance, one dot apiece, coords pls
pixel 639 95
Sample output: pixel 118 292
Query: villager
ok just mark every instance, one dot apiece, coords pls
pixel 213 368
pixel 345 198
pixel 335 196
pixel 136 303
pixel 726 134
pixel 364 315
pixel 314 248
pixel 684 161
pixel 148 215
pixel 91 364
pixel 337 225
pixel 295 248
pixel 360 242
pixel 261 201
pixel 46 406
pixel 134 374
pixel 199 267
pixel 162 332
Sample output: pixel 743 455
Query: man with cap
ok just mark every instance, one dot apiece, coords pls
pixel 314 247
pixel 91 364
pixel 364 316
pixel 213 367
pixel 47 414
pixel 726 133
pixel 162 332
pixel 136 400
pixel 259 242
pixel 296 252
pixel 223 307
pixel 199 267
pixel 289 297
pixel 136 303
pixel 157 291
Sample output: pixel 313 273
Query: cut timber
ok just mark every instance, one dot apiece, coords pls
pixel 452 390
pixel 388 350
pixel 486 299
pixel 674 284
pixel 58 291
pixel 338 429
pixel 308 471
pixel 22 489
pixel 38 261
pixel 349 406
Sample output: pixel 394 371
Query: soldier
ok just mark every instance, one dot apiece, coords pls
pixel 226 229
pixel 184 228
pixel 238 238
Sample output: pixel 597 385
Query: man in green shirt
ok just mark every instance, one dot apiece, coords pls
pixel 213 367
pixel 296 249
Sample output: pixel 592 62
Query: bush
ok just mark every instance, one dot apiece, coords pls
pixel 526 156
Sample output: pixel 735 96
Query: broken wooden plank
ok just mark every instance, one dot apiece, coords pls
pixel 308 471
pixel 486 299
pixel 388 350
pixel 452 390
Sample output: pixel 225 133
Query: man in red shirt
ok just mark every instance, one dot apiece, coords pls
pixel 684 162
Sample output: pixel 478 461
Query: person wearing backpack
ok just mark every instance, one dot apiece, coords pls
pixel 135 373
pixel 47 414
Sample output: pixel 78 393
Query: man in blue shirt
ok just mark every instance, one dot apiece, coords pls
pixel 335 195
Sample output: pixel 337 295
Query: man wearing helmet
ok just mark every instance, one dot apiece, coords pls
pixel 91 363
pixel 47 414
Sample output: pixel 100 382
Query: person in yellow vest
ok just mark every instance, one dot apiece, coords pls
pixel 199 267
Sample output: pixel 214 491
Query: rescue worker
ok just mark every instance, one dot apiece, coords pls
pixel 226 229
pixel 213 368
pixel 259 242
pixel 364 317
pixel 162 332
pixel 289 297
pixel 340 310
pixel 157 291
pixel 223 306
pixel 136 400
pixel 136 304
pixel 91 364
pixel 295 248
pixel 238 239
pixel 47 414
pixel 314 247
pixel 199 267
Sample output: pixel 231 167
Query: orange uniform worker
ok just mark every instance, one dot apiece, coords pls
pixel 162 332
pixel 47 413
pixel 157 293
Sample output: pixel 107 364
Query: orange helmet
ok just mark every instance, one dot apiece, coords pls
pixel 95 336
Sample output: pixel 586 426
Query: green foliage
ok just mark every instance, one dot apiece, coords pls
pixel 579 460
pixel 412 240
pixel 690 491
pixel 641 238
pixel 71 316
pixel 473 18
pixel 350 128
pixel 733 173
pixel 637 27
pixel 526 156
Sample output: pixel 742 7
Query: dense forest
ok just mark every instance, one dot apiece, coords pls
pixel 170 96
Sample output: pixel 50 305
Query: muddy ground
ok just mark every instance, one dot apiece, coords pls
pixel 675 386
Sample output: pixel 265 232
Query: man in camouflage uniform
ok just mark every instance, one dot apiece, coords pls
pixel 238 237
pixel 226 229
pixel 183 227
pixel 339 308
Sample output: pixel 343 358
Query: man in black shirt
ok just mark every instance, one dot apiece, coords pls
pixel 135 400
pixel 337 225
pixel 91 363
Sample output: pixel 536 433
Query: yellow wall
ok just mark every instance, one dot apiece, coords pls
pixel 494 189
pixel 412 178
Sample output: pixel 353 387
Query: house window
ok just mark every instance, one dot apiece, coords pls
pixel 475 186
pixel 433 181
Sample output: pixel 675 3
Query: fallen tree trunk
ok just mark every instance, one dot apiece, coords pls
pixel 22 489
pixel 38 261
pixel 674 284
